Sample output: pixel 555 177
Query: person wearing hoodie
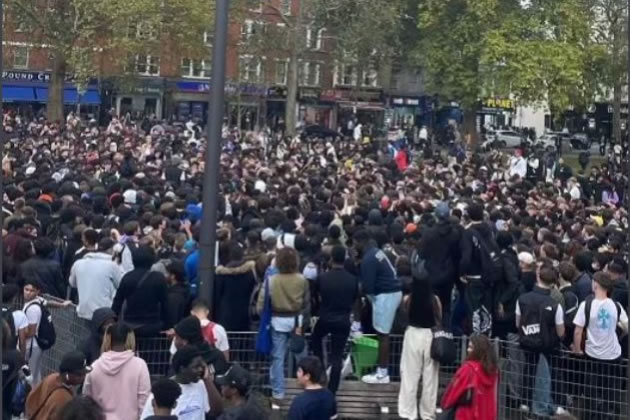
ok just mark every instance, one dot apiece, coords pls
pixel 234 283
pixel 101 320
pixel 119 381
pixel 584 284
pixel 144 295
pixel 476 236
pixel 440 249
pixel 480 375
pixel 96 277
pixel 507 289
pixel 178 293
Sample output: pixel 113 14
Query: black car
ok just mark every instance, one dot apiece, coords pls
pixel 581 141
pixel 319 132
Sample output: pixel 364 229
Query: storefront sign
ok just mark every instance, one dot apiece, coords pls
pixel 26 76
pixel 401 101
pixel 337 95
pixel 309 94
pixel 507 104
pixel 277 92
pixel 230 88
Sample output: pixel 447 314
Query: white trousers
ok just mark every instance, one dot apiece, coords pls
pixel 417 363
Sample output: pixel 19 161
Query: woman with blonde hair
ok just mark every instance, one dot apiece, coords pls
pixel 119 381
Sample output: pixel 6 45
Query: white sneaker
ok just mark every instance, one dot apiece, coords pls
pixel 375 378
pixel 561 411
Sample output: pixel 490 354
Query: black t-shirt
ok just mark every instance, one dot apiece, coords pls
pixel 338 290
pixel 313 404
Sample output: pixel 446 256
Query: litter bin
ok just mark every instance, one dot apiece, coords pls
pixel 364 354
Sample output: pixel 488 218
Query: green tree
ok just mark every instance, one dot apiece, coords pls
pixel 77 31
pixel 453 49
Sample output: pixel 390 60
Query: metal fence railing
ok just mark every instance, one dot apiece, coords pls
pixel 589 389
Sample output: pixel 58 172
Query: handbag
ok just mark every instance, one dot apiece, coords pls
pixel 443 349
pixel 464 401
pixel 263 339
pixel 297 343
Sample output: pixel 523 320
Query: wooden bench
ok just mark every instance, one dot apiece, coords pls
pixel 356 400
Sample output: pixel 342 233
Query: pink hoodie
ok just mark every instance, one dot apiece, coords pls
pixel 120 384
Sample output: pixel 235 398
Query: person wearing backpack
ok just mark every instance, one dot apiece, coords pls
pixel 480 269
pixel 540 320
pixel 16 319
pixel 40 334
pixel 12 361
pixel 599 317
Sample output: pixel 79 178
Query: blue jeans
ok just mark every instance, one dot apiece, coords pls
pixel 280 346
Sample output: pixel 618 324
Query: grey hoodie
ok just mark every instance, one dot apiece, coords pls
pixel 96 278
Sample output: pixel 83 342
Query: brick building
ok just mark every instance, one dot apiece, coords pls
pixel 170 85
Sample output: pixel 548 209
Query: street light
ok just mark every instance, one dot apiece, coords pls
pixel 207 243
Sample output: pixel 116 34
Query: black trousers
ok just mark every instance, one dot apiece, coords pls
pixel 603 385
pixel 339 332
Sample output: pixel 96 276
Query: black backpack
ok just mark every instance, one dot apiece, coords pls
pixel 46 335
pixel 7 315
pixel 537 331
pixel 418 266
pixel 491 260
pixel 588 303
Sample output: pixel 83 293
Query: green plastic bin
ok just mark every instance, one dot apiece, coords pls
pixel 364 354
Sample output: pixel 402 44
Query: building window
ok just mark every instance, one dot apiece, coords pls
pixel 285 7
pixel 196 68
pixel 250 69
pixel 346 75
pixel 147 65
pixel 314 38
pixel 250 29
pixel 282 70
pixel 207 37
pixel 370 77
pixel 20 57
pixel 310 74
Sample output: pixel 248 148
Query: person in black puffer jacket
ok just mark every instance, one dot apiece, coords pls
pixel 43 269
pixel 144 294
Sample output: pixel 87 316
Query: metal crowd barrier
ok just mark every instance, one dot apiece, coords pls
pixel 588 389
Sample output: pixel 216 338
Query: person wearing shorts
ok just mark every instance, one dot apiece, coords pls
pixel 383 289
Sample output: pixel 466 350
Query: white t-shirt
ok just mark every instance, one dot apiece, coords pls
pixel 33 314
pixel 559 317
pixel 193 404
pixel 220 337
pixel 601 339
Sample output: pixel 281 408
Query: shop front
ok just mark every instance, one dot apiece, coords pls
pixel 276 108
pixel 314 111
pixel 27 92
pixel 245 105
pixel 496 112
pixel 364 106
pixel 190 100
pixel 146 98
pixel 408 112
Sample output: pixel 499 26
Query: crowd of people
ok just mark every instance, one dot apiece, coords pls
pixel 320 237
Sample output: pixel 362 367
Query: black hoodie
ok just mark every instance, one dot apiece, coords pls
pixel 440 248
pixel 470 264
pixel 91 347
pixel 146 303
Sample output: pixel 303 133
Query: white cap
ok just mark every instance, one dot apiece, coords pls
pixel 130 196
pixel 260 186
pixel 526 258
pixel 267 234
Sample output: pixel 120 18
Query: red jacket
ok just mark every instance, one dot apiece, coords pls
pixel 402 160
pixel 484 400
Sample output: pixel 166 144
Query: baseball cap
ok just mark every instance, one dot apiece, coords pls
pixel 236 377
pixel 526 258
pixel 267 233
pixel 74 362
pixel 441 210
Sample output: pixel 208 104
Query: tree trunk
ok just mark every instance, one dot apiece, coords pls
pixel 292 91
pixel 469 127
pixel 54 108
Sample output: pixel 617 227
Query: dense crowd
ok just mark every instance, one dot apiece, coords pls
pixel 331 238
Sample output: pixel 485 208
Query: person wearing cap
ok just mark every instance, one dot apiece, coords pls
pixel 199 398
pixel 238 403
pixel 48 398
pixel 119 380
pixel 439 247
pixel 96 277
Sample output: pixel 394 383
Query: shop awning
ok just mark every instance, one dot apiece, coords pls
pixel 70 96
pixel 18 94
